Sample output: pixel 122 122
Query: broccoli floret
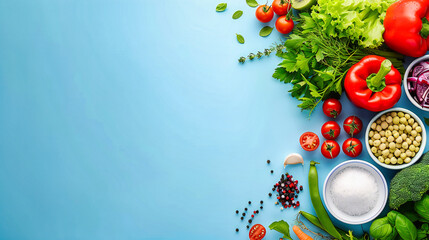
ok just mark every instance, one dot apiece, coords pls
pixel 409 184
pixel 425 158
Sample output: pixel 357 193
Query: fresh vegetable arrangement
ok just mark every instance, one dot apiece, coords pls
pixel 356 47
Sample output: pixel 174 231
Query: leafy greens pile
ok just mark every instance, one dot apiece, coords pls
pixel 358 20
pixel 315 62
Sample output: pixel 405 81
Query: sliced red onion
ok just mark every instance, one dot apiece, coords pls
pixel 412 79
pixel 418 83
pixel 425 97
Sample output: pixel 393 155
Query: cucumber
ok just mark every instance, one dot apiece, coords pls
pixel 303 4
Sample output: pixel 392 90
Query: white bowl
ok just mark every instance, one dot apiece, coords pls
pixel 422 144
pixel 374 212
pixel 405 81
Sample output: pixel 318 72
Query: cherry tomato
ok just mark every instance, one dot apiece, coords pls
pixel 257 232
pixel 352 125
pixel 309 141
pixel 352 147
pixel 284 25
pixel 332 107
pixel 331 130
pixel 281 7
pixel 264 13
pixel 330 149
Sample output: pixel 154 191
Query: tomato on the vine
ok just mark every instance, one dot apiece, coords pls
pixel 281 7
pixel 331 130
pixel 284 24
pixel 352 125
pixel 332 107
pixel 352 147
pixel 309 141
pixel 264 13
pixel 257 232
pixel 330 149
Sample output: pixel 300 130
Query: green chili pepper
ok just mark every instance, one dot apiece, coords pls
pixel 323 216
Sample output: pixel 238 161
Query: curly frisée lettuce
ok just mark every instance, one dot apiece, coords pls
pixel 359 20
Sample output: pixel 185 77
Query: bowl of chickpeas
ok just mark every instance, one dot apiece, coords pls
pixel 395 138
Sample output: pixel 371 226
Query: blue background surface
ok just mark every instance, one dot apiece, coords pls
pixel 125 119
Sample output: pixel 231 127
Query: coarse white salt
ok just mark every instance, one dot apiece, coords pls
pixel 354 191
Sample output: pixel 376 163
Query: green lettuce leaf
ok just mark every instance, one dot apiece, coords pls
pixel 359 20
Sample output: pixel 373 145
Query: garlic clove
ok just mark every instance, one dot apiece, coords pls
pixel 293 158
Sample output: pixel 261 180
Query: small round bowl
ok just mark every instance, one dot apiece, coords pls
pixel 422 144
pixel 381 201
pixel 405 81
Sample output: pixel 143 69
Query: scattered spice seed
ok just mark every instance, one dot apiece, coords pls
pixel 250 220
pixel 242 218
pixel 257 211
pixel 245 209
pixel 247 226
pixel 236 211
pixel 250 202
pixel 237 230
pixel 269 194
pixel 253 216
pixel 272 171
pixel 244 214
pixel 268 161
pixel 261 207
pixel 262 202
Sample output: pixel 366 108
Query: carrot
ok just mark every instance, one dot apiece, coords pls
pixel 300 234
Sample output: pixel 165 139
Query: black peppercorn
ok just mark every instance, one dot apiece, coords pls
pixel 244 214
pixel 245 209
pixel 236 211
pixel 261 207
pixel 268 161
pixel 272 171
pixel 247 226
pixel 250 202
pixel 262 202
pixel 242 218
pixel 250 220
pixel 257 211
pixel 236 230
pixel 269 194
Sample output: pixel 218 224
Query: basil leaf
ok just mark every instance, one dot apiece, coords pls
pixel 252 3
pixel 380 228
pixel 237 14
pixel 427 121
pixel 221 7
pixel 265 31
pixel 405 227
pixel 281 227
pixel 240 38
pixel 422 207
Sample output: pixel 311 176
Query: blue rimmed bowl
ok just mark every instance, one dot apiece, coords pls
pixel 383 193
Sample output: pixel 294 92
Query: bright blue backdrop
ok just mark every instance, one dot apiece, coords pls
pixel 127 119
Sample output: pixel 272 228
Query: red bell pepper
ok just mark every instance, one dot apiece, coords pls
pixel 373 83
pixel 407 27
